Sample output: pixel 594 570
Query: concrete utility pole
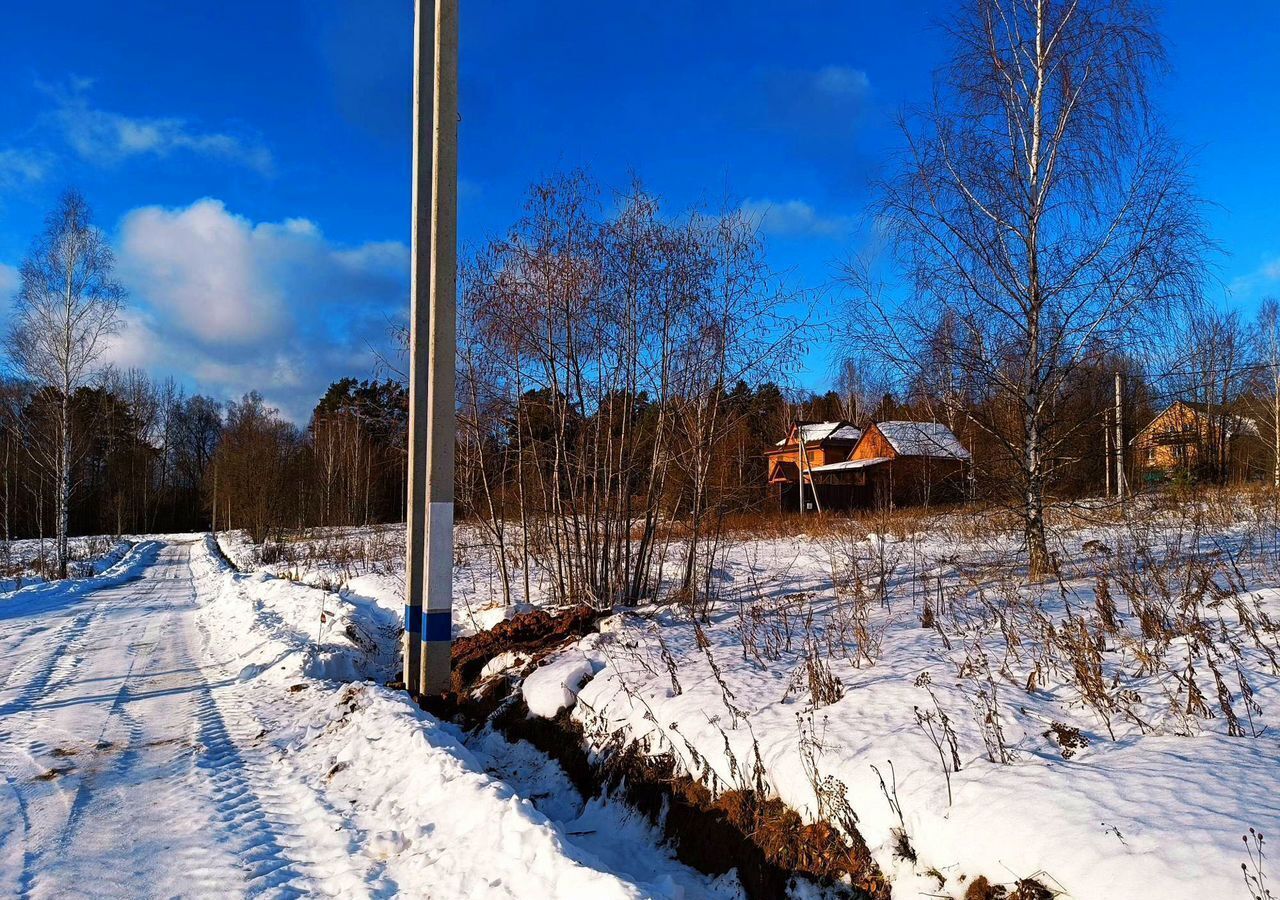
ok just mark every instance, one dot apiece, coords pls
pixel 437 623
pixel 419 329
pixel 1106 452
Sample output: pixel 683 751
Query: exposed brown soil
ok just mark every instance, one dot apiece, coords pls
pixel 534 633
pixel 1026 889
pixel 766 841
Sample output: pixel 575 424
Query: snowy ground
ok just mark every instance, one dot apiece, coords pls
pixel 174 728
pixel 367 564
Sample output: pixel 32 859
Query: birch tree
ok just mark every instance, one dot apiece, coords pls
pixel 67 308
pixel 1040 213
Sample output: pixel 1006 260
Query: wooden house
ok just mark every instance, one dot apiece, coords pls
pixel 891 463
pixel 807 445
pixel 1195 440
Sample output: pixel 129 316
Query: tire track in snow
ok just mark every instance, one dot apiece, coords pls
pixel 21 844
pixel 269 871
pixel 45 665
pixel 289 822
pixel 162 784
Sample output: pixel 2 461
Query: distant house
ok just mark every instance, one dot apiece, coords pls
pixel 1199 440
pixel 891 463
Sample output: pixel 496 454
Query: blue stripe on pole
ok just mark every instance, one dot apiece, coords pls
pixel 413 619
pixel 439 625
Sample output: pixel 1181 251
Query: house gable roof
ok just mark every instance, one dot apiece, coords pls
pixel 818 432
pixel 927 439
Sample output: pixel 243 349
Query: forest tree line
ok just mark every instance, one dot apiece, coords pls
pixel 146 457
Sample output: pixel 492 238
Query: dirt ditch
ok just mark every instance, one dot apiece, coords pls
pixel 768 843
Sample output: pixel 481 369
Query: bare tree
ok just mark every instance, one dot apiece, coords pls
pixel 600 354
pixel 1266 339
pixel 66 309
pixel 1040 212
pixel 1210 367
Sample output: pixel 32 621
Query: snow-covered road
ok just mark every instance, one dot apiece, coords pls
pixel 120 775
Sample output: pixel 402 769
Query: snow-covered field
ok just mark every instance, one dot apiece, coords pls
pixel 1109 734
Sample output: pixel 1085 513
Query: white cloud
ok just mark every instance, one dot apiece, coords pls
pixel 202 269
pixel 794 218
pixel 9 283
pixel 104 137
pixel 1262 280
pixel 236 305
pixel 22 166
pixel 842 81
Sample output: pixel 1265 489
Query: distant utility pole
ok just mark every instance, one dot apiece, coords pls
pixel 432 342
pixel 800 468
pixel 1119 444
pixel 1106 444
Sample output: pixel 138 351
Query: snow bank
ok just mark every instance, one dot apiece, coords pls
pixel 287 628
pixel 373 557
pixel 25 552
pixel 122 563
pixel 427 811
pixel 412 807
pixel 554 685
pixel 239 548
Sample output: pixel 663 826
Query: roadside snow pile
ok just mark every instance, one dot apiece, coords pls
pixel 239 548
pixel 121 564
pixel 555 685
pixel 295 629
pixel 368 562
pixel 1109 735
pixel 424 817
pixel 390 799
pixel 28 559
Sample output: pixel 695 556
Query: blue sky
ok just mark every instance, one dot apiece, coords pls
pixel 251 160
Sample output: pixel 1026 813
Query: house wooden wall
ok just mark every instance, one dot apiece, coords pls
pixel 1176 439
pixel 1172 440
pixel 914 480
pixel 874 446
pixel 817 454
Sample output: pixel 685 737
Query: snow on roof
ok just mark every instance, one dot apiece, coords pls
pixel 847 465
pixel 813 432
pixel 922 439
pixel 1244 425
